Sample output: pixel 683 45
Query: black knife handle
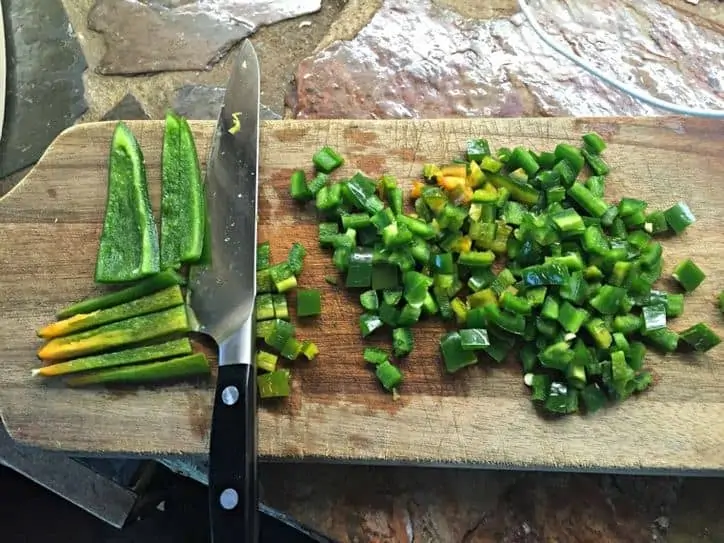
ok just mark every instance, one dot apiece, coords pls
pixel 233 489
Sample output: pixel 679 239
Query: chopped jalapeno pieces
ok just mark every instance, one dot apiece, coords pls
pixel 574 297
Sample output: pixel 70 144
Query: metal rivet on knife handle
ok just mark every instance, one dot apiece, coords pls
pixel 230 395
pixel 229 499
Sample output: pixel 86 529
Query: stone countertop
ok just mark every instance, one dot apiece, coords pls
pixel 84 60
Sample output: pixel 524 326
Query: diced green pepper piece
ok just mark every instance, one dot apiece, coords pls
pixel 656 223
pixel 454 356
pixel 327 160
pixel 263 328
pixel 700 337
pixel 402 341
pixel 309 302
pixel 688 275
pixel 369 300
pixel 415 287
pixel 327 233
pixel 281 309
pixel 318 183
pixel 478 149
pixel 523 158
pixel 389 375
pixel 557 356
pixel 474 339
pixel 674 305
pixel 627 324
pixel 368 323
pixel 594 142
pixel 593 398
pixel 572 318
pixel 536 296
pixel 663 339
pixel 599 333
pixel 583 197
pixel 292 349
pixel 550 308
pixel 608 300
pixel 297 252
pixel 569 221
pixel 515 304
pixel 266 361
pixel 475 259
pixel 375 355
pixel 654 317
pixel 264 307
pixel 263 256
pixel 274 384
pixel 409 315
pixel 561 399
pixel 283 277
pixel 540 383
pixel 545 274
pixel 359 272
pixel 309 350
pixel 643 380
pixel 279 334
pixel 510 322
pixel 636 355
pixel 298 188
pixel 679 217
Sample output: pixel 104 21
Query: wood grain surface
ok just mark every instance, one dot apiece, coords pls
pixel 49 227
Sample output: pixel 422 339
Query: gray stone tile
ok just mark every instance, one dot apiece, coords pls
pixel 145 36
pixel 44 83
pixel 129 108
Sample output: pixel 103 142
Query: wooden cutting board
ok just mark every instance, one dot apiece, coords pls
pixel 49 226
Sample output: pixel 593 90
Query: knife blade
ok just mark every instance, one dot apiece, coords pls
pixel 221 299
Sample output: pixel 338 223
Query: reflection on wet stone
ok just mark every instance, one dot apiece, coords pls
pixel 45 66
pixel 204 102
pixel 145 36
pixel 418 59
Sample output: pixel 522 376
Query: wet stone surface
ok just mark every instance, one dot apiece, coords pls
pixel 45 91
pixel 145 36
pixel 419 59
pixel 205 101
pixel 431 505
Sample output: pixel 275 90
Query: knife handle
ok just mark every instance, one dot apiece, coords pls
pixel 233 490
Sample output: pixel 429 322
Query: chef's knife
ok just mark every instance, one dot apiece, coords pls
pixel 221 297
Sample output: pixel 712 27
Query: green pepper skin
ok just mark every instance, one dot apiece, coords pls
pixel 129 247
pixel 176 368
pixel 183 212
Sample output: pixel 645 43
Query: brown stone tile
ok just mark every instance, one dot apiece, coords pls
pixel 423 59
